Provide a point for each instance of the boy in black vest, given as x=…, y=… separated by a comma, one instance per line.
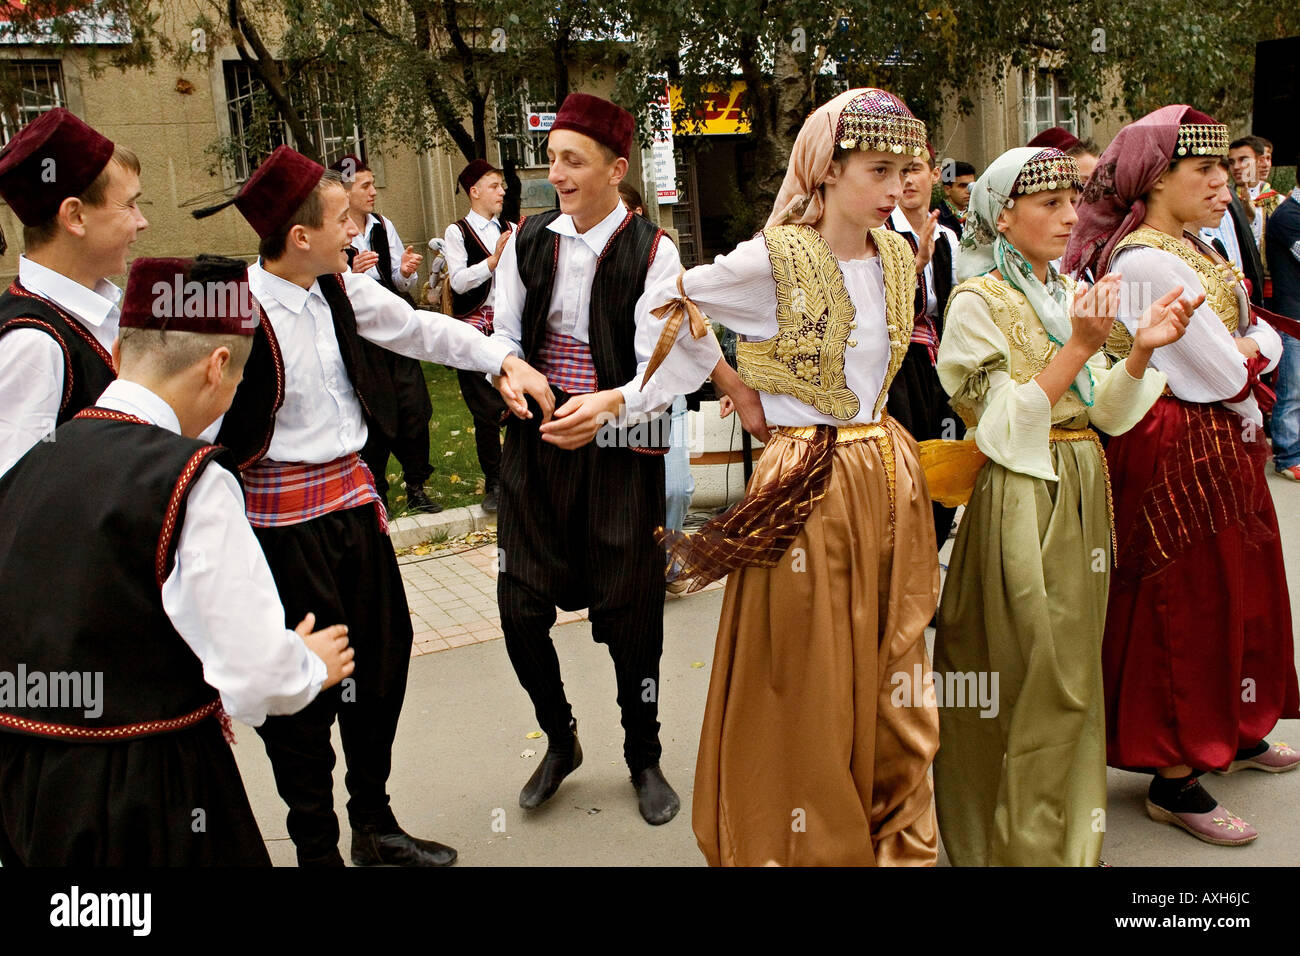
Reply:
x=117, y=669
x=381, y=256
x=582, y=496
x=472, y=247
x=76, y=195
x=309, y=397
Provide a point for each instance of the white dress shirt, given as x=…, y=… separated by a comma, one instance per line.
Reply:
x=220, y=595
x=738, y=291
x=361, y=243
x=31, y=362
x=465, y=277
x=570, y=307
x=1204, y=365
x=1226, y=233
x=321, y=418
x=898, y=219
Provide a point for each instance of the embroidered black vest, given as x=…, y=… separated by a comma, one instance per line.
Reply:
x=379, y=246
x=87, y=367
x=247, y=428
x=102, y=612
x=619, y=281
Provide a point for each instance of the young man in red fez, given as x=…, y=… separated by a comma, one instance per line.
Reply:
x=76, y=195
x=473, y=247
x=118, y=671
x=379, y=254
x=309, y=398
x=581, y=496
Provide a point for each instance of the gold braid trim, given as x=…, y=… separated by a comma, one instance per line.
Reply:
x=899, y=267
x=814, y=313
x=1219, y=292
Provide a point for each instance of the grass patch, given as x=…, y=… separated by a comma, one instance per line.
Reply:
x=457, y=480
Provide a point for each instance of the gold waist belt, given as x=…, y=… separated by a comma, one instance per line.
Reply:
x=1074, y=434
x=843, y=433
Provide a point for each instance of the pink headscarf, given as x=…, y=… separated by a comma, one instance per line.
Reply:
x=1112, y=204
x=800, y=199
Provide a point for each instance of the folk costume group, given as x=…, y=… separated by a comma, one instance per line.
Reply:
x=201, y=442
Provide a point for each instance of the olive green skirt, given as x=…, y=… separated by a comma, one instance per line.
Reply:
x=1020, y=777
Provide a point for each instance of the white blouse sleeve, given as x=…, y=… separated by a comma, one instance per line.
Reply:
x=1014, y=421
x=1121, y=400
x=1204, y=365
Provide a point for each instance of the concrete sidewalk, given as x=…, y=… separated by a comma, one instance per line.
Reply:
x=462, y=751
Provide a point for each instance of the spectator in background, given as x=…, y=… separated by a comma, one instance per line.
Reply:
x=1284, y=264
x=956, y=177
x=472, y=247
x=679, y=483
x=381, y=256
x=1258, y=198
x=1084, y=152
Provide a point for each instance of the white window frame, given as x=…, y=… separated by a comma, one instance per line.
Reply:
x=1044, y=86
x=35, y=100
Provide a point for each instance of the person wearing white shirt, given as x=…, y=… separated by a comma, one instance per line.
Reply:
x=296, y=425
x=581, y=496
x=174, y=608
x=376, y=255
x=916, y=398
x=472, y=247
x=59, y=320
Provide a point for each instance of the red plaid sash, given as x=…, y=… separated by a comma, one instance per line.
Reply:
x=277, y=493
x=481, y=319
x=566, y=363
x=925, y=333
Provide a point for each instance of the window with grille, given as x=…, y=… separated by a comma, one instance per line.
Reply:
x=1047, y=102
x=513, y=124
x=28, y=88
x=256, y=127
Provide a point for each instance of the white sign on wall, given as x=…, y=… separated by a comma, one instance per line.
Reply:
x=540, y=122
x=664, y=163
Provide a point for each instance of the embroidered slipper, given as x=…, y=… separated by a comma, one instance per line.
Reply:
x=1278, y=758
x=1220, y=826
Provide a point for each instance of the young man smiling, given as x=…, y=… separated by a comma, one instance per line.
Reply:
x=76, y=195
x=297, y=425
x=578, y=513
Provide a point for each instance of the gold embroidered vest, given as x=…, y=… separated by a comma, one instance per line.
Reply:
x=1220, y=294
x=1028, y=347
x=815, y=318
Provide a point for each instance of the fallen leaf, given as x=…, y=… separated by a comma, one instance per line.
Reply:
x=534, y=735
x=528, y=753
x=455, y=433
x=448, y=454
x=454, y=479
x=697, y=664
x=593, y=810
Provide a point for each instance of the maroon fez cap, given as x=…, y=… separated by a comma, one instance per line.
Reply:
x=476, y=170
x=1055, y=137
x=53, y=157
x=605, y=122
x=274, y=192
x=209, y=294
x=349, y=166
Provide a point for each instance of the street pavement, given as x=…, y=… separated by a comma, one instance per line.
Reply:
x=463, y=751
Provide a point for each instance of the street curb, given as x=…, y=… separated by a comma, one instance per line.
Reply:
x=410, y=530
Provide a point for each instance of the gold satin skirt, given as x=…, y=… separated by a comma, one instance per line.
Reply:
x=813, y=751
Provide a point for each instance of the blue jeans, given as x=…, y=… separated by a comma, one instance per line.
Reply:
x=1286, y=413
x=679, y=485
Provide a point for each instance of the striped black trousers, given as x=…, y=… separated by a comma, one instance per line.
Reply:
x=576, y=529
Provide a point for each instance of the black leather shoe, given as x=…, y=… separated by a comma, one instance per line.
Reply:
x=546, y=779
x=417, y=502
x=491, y=502
x=398, y=848
x=655, y=797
